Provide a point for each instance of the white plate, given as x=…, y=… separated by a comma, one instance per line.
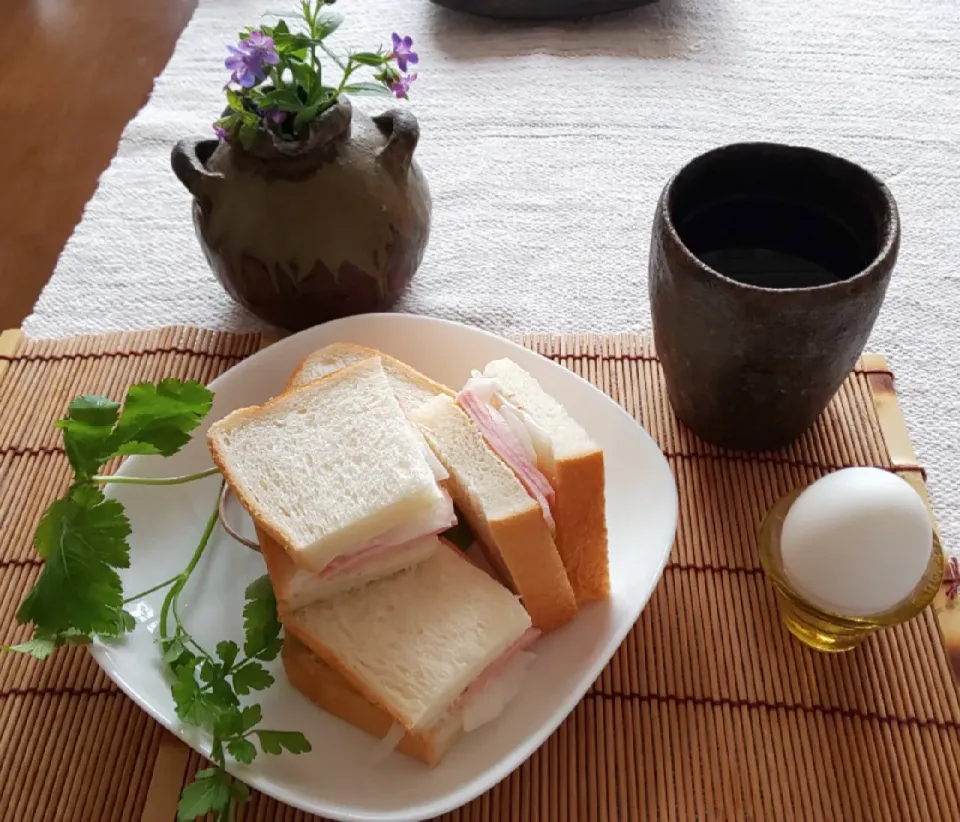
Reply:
x=338, y=779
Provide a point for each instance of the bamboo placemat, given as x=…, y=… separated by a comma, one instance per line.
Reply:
x=709, y=710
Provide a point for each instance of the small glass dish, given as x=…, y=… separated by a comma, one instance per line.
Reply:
x=824, y=630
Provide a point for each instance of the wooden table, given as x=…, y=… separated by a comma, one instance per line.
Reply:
x=72, y=74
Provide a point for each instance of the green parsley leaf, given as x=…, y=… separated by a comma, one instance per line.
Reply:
x=227, y=721
x=83, y=538
x=243, y=750
x=275, y=742
x=209, y=792
x=227, y=651
x=251, y=676
x=39, y=648
x=191, y=704
x=250, y=716
x=221, y=691
x=261, y=627
x=239, y=791
x=86, y=432
x=158, y=419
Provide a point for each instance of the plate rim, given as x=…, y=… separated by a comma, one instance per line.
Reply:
x=463, y=792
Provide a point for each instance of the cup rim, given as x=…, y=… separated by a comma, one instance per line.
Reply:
x=888, y=247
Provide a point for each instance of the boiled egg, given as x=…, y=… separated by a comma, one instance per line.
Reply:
x=856, y=542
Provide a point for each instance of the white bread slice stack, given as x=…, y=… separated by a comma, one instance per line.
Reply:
x=414, y=642
x=574, y=467
x=331, y=467
x=410, y=386
x=327, y=689
x=505, y=518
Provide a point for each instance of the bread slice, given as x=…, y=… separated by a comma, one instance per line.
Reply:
x=329, y=467
x=297, y=587
x=504, y=517
x=413, y=642
x=410, y=386
x=327, y=689
x=576, y=473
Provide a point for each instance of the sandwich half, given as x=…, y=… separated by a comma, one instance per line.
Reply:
x=336, y=475
x=410, y=386
x=510, y=524
x=555, y=459
x=428, y=646
x=327, y=689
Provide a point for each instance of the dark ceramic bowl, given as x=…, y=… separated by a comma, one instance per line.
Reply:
x=768, y=267
x=540, y=9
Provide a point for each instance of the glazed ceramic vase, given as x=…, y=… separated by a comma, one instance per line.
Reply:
x=304, y=232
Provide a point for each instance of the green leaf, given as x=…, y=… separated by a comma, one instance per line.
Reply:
x=94, y=409
x=460, y=535
x=288, y=44
x=247, y=133
x=281, y=28
x=39, y=648
x=86, y=432
x=243, y=750
x=190, y=704
x=250, y=716
x=239, y=791
x=274, y=742
x=360, y=89
x=261, y=627
x=306, y=77
x=223, y=693
x=326, y=24
x=285, y=99
x=173, y=650
x=83, y=538
x=210, y=792
x=208, y=671
x=227, y=721
x=251, y=677
x=369, y=58
x=158, y=419
x=234, y=100
x=227, y=652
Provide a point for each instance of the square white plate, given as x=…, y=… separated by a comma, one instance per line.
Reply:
x=339, y=778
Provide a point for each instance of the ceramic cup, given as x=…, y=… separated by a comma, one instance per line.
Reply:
x=768, y=267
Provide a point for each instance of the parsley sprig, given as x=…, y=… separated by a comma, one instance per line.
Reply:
x=83, y=539
x=207, y=689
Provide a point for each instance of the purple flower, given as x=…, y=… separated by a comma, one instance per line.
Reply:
x=401, y=86
x=403, y=51
x=248, y=58
x=221, y=133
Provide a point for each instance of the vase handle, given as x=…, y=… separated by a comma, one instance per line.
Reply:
x=402, y=131
x=187, y=160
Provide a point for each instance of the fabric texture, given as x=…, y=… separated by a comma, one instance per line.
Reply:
x=546, y=147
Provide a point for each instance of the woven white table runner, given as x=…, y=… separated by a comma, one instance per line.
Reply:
x=546, y=147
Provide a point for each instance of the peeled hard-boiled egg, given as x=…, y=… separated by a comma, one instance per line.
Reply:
x=856, y=542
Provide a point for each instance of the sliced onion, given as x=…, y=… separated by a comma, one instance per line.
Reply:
x=490, y=701
x=388, y=744
x=519, y=430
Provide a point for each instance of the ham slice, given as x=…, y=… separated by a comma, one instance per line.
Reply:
x=436, y=521
x=497, y=667
x=504, y=442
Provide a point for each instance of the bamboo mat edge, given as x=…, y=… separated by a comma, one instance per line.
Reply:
x=173, y=756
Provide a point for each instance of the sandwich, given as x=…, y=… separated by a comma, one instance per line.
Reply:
x=410, y=386
x=555, y=459
x=342, y=488
x=512, y=526
x=422, y=655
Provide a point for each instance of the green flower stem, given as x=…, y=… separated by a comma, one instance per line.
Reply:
x=332, y=55
x=101, y=479
x=349, y=69
x=174, y=593
x=149, y=591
